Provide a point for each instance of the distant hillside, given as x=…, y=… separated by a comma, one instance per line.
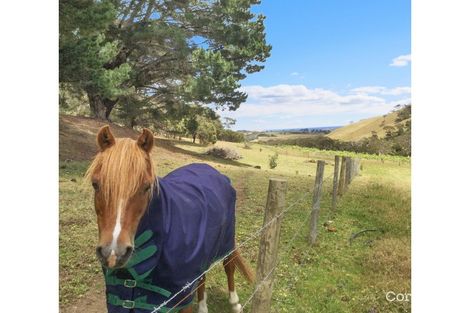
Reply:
x=365, y=128
x=320, y=129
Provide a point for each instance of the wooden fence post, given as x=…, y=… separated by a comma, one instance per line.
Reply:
x=348, y=171
x=357, y=166
x=342, y=176
x=353, y=168
x=335, y=182
x=316, y=202
x=268, y=246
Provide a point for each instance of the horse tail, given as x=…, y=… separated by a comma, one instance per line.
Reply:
x=243, y=266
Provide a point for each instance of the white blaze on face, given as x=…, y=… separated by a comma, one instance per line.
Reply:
x=117, y=227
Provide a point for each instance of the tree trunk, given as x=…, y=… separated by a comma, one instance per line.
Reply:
x=109, y=104
x=194, y=138
x=100, y=107
x=132, y=122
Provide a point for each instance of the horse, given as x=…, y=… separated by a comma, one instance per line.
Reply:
x=156, y=235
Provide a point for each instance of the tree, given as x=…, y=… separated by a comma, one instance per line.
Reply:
x=228, y=122
x=131, y=110
x=192, y=126
x=168, y=53
x=206, y=130
x=191, y=113
x=389, y=130
x=404, y=113
x=230, y=135
x=85, y=53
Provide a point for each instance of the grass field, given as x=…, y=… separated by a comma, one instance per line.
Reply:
x=332, y=276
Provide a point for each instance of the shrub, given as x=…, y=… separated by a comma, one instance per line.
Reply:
x=404, y=113
x=206, y=131
x=230, y=135
x=273, y=160
x=224, y=153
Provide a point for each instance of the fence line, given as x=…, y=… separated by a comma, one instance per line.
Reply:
x=342, y=177
x=260, y=284
x=289, y=245
x=316, y=201
x=189, y=284
x=254, y=235
x=269, y=247
x=335, y=182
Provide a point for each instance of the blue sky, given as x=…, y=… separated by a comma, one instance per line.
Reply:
x=332, y=62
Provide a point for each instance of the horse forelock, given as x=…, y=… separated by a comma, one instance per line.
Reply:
x=121, y=170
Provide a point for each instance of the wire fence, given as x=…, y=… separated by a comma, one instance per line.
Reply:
x=289, y=245
x=238, y=247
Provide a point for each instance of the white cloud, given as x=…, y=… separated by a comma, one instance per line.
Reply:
x=401, y=60
x=295, y=101
x=294, y=74
x=371, y=90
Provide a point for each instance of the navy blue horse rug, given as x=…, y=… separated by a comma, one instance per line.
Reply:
x=190, y=223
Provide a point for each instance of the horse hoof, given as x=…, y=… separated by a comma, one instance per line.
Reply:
x=203, y=309
x=237, y=308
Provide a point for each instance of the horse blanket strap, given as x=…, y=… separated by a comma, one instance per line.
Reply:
x=139, y=303
x=131, y=283
x=189, y=224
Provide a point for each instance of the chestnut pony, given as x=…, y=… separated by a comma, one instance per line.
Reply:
x=124, y=180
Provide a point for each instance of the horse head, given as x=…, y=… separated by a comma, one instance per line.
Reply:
x=123, y=178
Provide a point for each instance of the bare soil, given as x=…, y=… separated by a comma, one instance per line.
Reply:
x=92, y=302
x=77, y=136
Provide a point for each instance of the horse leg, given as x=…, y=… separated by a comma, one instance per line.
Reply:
x=229, y=266
x=202, y=296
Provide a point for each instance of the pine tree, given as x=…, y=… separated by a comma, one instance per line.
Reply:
x=170, y=53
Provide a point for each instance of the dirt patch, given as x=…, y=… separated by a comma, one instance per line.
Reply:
x=77, y=141
x=77, y=136
x=94, y=301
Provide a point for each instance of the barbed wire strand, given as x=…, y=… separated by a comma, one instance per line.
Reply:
x=289, y=245
x=199, y=286
x=189, y=284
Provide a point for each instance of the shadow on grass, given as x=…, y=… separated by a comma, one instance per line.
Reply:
x=169, y=145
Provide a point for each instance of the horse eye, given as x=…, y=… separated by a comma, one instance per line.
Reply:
x=147, y=187
x=95, y=185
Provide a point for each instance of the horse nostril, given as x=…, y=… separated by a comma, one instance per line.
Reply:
x=129, y=250
x=100, y=252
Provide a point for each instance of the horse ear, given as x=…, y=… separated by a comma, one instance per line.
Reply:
x=145, y=140
x=105, y=138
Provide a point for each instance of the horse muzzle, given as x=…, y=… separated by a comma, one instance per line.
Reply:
x=114, y=257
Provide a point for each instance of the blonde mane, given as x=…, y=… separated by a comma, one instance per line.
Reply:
x=122, y=168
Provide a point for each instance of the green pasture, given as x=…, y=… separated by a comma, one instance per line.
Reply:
x=332, y=276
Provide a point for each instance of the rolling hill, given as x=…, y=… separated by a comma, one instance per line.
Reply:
x=365, y=128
